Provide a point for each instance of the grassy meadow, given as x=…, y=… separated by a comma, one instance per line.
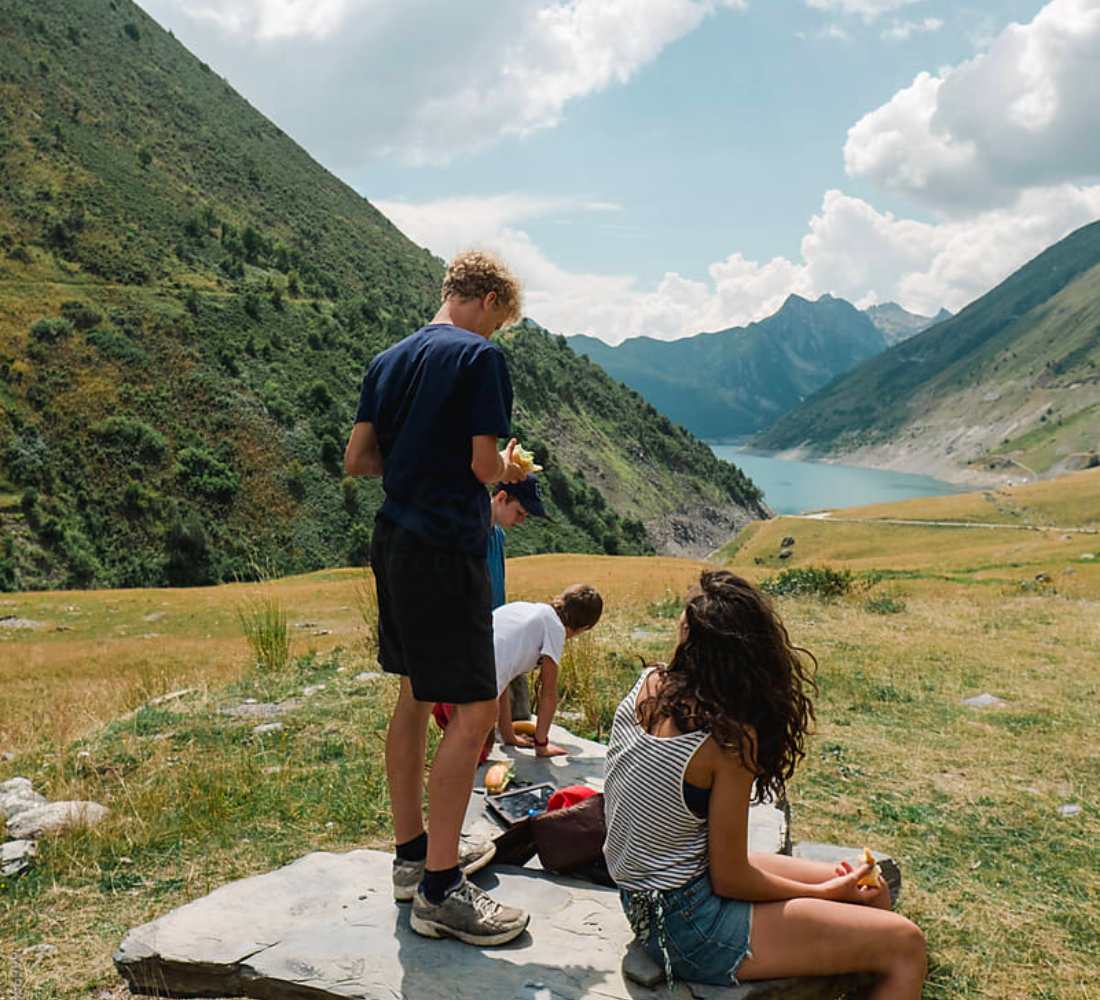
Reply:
x=968, y=800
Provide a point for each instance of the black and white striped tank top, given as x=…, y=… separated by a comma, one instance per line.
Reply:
x=654, y=841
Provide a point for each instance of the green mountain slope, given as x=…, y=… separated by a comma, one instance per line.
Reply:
x=1013, y=378
x=187, y=304
x=738, y=381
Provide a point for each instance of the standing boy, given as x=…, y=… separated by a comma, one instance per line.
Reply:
x=512, y=504
x=431, y=411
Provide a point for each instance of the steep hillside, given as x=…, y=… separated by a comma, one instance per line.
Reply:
x=738, y=381
x=187, y=303
x=897, y=324
x=1010, y=386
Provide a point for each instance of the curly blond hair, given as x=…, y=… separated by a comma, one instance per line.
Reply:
x=473, y=274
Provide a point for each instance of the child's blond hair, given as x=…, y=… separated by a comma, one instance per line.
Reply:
x=473, y=274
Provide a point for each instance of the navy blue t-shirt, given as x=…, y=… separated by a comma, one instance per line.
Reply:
x=427, y=396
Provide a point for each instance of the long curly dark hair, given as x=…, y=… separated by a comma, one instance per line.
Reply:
x=736, y=674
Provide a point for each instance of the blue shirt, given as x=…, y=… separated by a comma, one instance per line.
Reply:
x=427, y=396
x=494, y=555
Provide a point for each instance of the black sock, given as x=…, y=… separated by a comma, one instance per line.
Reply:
x=415, y=849
x=437, y=886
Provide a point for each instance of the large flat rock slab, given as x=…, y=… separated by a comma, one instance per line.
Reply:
x=326, y=926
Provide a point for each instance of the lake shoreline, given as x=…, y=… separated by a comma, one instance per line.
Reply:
x=796, y=486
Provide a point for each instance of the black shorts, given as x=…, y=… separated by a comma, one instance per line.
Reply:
x=435, y=619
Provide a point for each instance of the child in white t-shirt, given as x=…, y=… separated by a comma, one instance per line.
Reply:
x=529, y=637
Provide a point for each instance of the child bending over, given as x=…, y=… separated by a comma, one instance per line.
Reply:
x=527, y=637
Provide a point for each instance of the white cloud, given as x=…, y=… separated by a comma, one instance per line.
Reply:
x=902, y=31
x=869, y=10
x=1022, y=114
x=423, y=81
x=267, y=20
x=851, y=250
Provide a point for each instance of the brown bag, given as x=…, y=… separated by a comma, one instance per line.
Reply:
x=571, y=840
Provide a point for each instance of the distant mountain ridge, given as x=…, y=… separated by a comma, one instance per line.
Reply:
x=1010, y=386
x=897, y=324
x=735, y=382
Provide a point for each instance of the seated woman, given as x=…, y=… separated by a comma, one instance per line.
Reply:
x=689, y=745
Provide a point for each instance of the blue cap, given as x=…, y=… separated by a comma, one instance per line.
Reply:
x=526, y=491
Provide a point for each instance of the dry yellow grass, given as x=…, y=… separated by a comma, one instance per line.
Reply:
x=1070, y=500
x=101, y=653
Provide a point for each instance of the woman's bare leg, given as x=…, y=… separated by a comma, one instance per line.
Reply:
x=812, y=937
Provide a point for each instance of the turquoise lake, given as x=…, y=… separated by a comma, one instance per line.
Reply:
x=797, y=487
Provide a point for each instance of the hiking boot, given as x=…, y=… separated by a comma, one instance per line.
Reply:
x=469, y=914
x=474, y=853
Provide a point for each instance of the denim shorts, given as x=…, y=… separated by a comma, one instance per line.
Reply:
x=692, y=933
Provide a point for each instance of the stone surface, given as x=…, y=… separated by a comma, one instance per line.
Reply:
x=639, y=968
x=16, y=856
x=261, y=709
x=327, y=926
x=171, y=696
x=984, y=700
x=17, y=796
x=54, y=817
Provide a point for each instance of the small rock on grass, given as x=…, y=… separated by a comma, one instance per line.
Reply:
x=368, y=675
x=309, y=692
x=267, y=727
x=984, y=700
x=16, y=857
x=1069, y=809
x=18, y=796
x=39, y=950
x=55, y=816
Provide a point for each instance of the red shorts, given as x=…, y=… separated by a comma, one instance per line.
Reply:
x=442, y=713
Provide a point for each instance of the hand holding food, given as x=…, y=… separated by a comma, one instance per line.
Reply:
x=525, y=459
x=874, y=877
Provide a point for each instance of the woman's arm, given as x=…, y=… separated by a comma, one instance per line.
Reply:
x=732, y=872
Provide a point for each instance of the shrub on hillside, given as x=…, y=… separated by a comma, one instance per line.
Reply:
x=116, y=346
x=206, y=474
x=80, y=314
x=188, y=553
x=136, y=438
x=50, y=331
x=809, y=581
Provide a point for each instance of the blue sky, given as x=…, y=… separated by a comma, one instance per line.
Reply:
x=668, y=166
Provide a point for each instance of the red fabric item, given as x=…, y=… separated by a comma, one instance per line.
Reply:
x=443, y=713
x=569, y=796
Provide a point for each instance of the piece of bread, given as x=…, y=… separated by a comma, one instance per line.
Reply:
x=525, y=459
x=872, y=879
x=498, y=777
x=524, y=727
